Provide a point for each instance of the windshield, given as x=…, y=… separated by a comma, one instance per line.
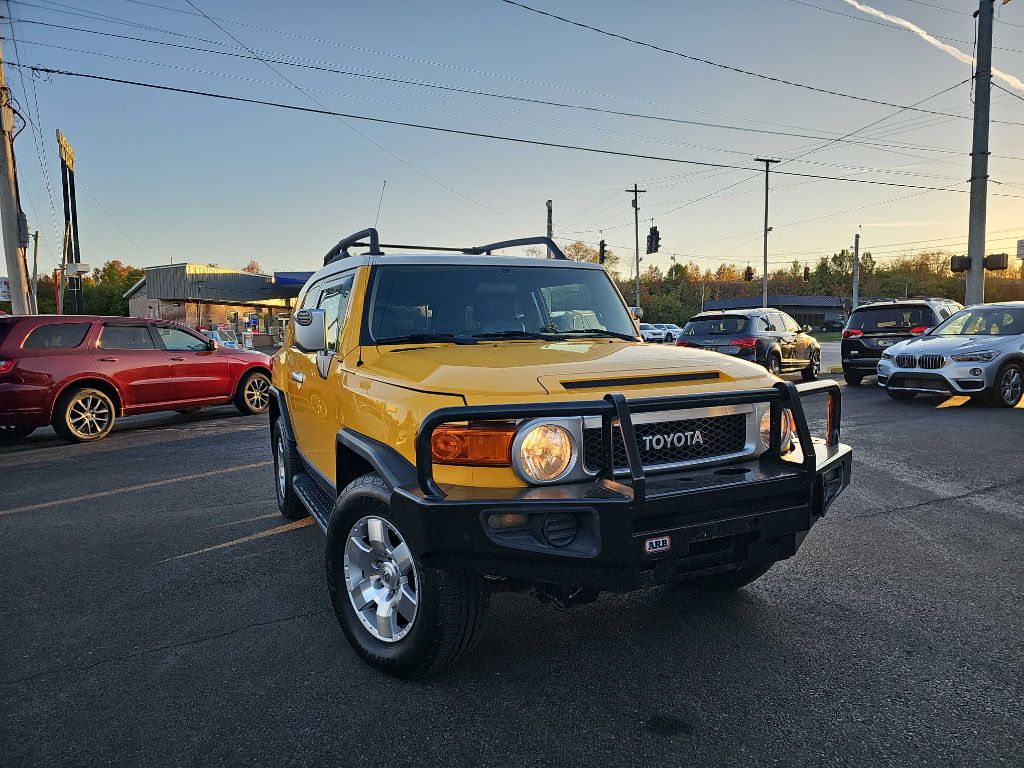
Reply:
x=891, y=319
x=983, y=321
x=715, y=325
x=457, y=303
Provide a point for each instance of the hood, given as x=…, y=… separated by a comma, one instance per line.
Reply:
x=947, y=345
x=576, y=369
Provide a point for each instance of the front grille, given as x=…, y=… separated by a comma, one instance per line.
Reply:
x=906, y=361
x=931, y=362
x=671, y=442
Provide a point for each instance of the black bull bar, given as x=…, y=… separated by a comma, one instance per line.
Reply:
x=615, y=409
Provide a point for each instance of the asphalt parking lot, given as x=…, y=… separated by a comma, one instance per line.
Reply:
x=156, y=610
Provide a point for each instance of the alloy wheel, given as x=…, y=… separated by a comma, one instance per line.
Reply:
x=1011, y=386
x=282, y=478
x=381, y=579
x=774, y=366
x=88, y=416
x=816, y=364
x=257, y=394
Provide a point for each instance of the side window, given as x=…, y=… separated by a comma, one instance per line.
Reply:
x=775, y=321
x=125, y=337
x=763, y=324
x=944, y=312
x=311, y=297
x=791, y=324
x=176, y=340
x=56, y=336
x=334, y=301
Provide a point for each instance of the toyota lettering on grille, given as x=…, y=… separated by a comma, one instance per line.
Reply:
x=673, y=440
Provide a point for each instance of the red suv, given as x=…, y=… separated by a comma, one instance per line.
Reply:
x=80, y=372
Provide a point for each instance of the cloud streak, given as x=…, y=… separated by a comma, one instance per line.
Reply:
x=956, y=53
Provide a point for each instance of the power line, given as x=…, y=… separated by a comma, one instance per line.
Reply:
x=369, y=75
x=719, y=65
x=953, y=10
x=340, y=119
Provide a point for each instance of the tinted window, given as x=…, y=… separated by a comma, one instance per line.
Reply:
x=646, y=327
x=791, y=324
x=716, y=325
x=776, y=322
x=762, y=324
x=334, y=302
x=467, y=301
x=57, y=336
x=897, y=319
x=983, y=321
x=126, y=337
x=176, y=340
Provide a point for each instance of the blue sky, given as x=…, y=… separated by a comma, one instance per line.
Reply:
x=191, y=178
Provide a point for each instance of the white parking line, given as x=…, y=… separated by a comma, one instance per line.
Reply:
x=130, y=488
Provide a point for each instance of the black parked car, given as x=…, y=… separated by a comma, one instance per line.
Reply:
x=766, y=336
x=872, y=328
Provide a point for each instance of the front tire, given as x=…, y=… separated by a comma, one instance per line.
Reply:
x=399, y=615
x=730, y=581
x=1009, y=386
x=813, y=369
x=253, y=394
x=84, y=415
x=286, y=466
x=853, y=379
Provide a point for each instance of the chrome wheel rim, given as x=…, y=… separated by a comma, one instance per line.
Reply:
x=257, y=394
x=381, y=579
x=88, y=416
x=774, y=366
x=1012, y=385
x=281, y=479
x=815, y=365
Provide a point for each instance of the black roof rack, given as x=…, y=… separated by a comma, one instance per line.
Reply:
x=340, y=251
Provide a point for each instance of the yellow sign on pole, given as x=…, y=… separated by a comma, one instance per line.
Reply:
x=67, y=154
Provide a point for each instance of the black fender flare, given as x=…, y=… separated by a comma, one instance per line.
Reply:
x=279, y=409
x=396, y=470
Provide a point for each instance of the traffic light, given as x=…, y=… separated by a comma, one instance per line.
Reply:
x=807, y=274
x=748, y=274
x=959, y=263
x=653, y=240
x=997, y=261
x=601, y=253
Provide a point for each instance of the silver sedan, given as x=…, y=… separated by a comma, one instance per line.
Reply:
x=978, y=351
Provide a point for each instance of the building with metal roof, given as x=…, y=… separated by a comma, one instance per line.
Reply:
x=815, y=311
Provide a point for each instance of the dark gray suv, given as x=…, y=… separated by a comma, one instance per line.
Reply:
x=766, y=336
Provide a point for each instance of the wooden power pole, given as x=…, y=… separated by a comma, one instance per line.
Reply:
x=10, y=210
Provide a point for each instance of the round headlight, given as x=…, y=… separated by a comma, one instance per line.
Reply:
x=545, y=453
x=787, y=429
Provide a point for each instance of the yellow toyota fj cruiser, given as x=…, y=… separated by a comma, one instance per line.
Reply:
x=460, y=423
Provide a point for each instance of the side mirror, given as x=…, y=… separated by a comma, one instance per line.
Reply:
x=806, y=329
x=637, y=312
x=311, y=330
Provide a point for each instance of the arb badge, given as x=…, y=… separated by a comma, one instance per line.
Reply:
x=659, y=544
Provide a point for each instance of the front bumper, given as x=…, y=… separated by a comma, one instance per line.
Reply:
x=619, y=536
x=952, y=379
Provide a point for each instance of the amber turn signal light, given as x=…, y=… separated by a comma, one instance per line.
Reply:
x=475, y=445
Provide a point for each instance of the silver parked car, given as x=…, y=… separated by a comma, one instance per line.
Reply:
x=978, y=351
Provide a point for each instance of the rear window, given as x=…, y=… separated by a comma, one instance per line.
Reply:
x=891, y=319
x=716, y=325
x=56, y=336
x=126, y=337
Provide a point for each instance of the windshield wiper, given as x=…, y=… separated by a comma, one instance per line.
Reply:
x=513, y=335
x=598, y=332
x=427, y=337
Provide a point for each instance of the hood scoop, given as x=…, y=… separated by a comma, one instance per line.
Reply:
x=640, y=381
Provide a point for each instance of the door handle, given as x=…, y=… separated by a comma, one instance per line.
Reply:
x=178, y=359
x=299, y=377
x=108, y=359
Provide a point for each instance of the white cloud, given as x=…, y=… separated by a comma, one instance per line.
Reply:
x=956, y=53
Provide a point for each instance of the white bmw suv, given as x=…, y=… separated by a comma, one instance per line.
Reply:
x=978, y=351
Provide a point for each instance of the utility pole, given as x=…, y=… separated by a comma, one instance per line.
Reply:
x=856, y=271
x=551, y=229
x=10, y=209
x=635, y=192
x=35, y=274
x=764, y=278
x=975, y=291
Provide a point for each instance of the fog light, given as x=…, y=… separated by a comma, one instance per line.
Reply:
x=559, y=529
x=507, y=520
x=976, y=371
